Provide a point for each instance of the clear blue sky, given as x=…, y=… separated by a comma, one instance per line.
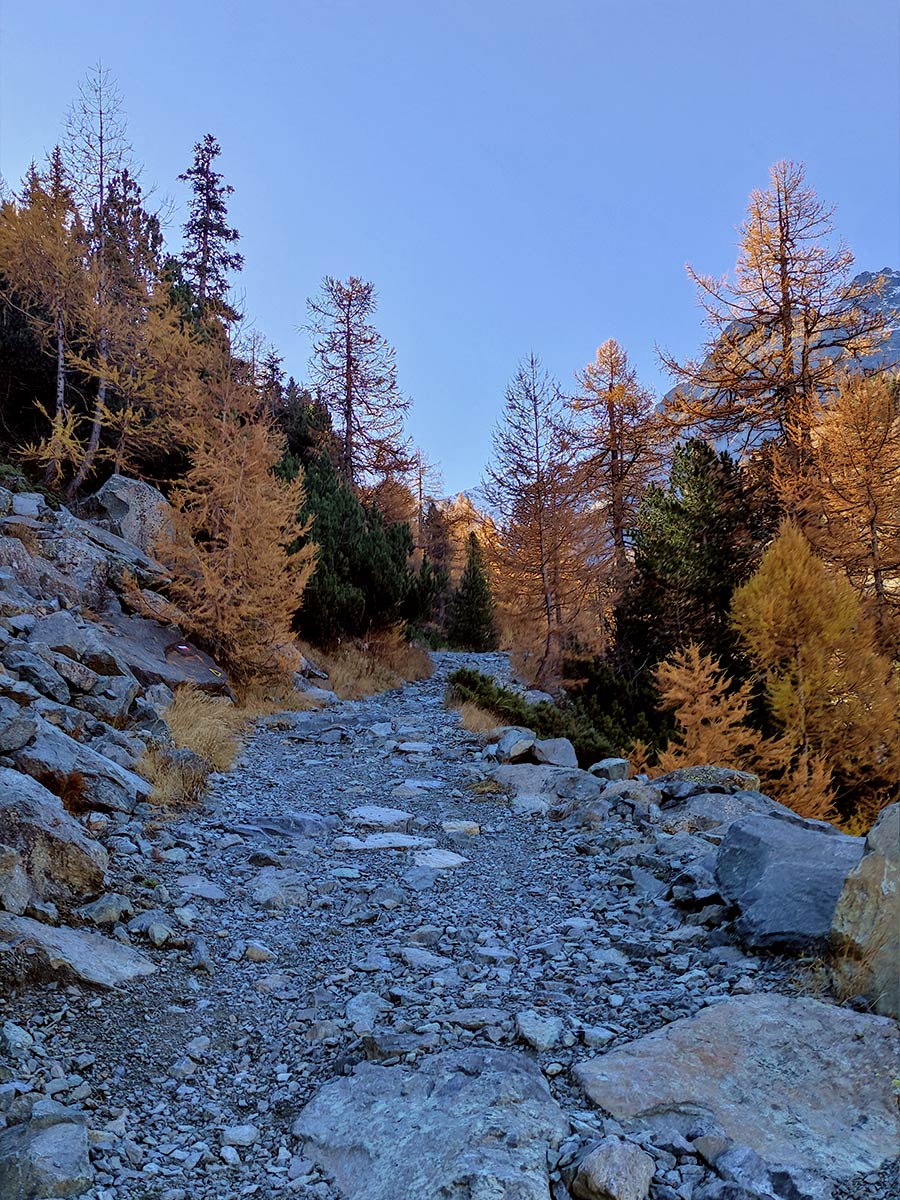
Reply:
x=512, y=174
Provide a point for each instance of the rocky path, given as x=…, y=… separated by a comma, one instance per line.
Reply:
x=349, y=895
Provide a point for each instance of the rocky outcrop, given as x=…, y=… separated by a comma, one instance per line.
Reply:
x=89, y=957
x=45, y=1156
x=57, y=857
x=466, y=1123
x=865, y=930
x=784, y=876
x=787, y=1077
x=131, y=509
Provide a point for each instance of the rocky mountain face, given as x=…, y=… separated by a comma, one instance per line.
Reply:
x=389, y=960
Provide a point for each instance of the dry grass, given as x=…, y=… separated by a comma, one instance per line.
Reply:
x=360, y=669
x=474, y=718
x=211, y=727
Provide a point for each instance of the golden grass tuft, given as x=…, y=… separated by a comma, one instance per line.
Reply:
x=474, y=718
x=211, y=727
x=358, y=669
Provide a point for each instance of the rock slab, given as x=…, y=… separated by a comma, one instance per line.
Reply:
x=467, y=1124
x=89, y=956
x=800, y=1082
x=865, y=932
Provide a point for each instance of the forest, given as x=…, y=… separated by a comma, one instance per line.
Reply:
x=705, y=577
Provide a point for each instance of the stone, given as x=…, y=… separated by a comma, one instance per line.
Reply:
x=55, y=757
x=153, y=654
x=363, y=1011
x=58, y=857
x=689, y=781
x=279, y=887
x=614, y=1170
x=15, y=886
x=515, y=744
x=467, y=828
x=386, y=820
x=556, y=752
x=784, y=877
x=475, y=1018
x=76, y=674
x=131, y=509
x=107, y=910
x=865, y=929
x=199, y=885
x=90, y=957
x=465, y=1124
x=17, y=726
x=37, y=671
x=77, y=639
x=800, y=1082
x=718, y=810
x=383, y=841
x=611, y=768
x=540, y=1031
x=439, y=860
x=415, y=747
x=44, y=1159
x=240, y=1135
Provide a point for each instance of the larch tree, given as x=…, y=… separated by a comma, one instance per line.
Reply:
x=619, y=440
x=779, y=327
x=538, y=553
x=209, y=256
x=853, y=494
x=355, y=373
x=831, y=695
x=43, y=248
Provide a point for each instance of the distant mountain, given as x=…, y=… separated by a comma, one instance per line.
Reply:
x=887, y=355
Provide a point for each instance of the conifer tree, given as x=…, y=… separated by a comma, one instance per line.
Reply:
x=832, y=697
x=539, y=552
x=209, y=255
x=239, y=571
x=472, y=625
x=354, y=370
x=853, y=493
x=619, y=441
x=43, y=248
x=778, y=328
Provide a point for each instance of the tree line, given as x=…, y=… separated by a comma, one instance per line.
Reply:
x=728, y=554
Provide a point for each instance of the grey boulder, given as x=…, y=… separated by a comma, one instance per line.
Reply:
x=90, y=957
x=467, y=1124
x=784, y=876
x=47, y=1156
x=801, y=1083
x=131, y=509
x=55, y=758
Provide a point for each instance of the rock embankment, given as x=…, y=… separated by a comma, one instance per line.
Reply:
x=389, y=966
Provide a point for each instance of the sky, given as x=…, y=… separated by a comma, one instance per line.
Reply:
x=513, y=175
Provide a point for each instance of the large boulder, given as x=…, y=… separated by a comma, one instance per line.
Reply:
x=84, y=777
x=865, y=931
x=784, y=876
x=131, y=509
x=467, y=1123
x=708, y=811
x=153, y=653
x=36, y=670
x=17, y=726
x=46, y=1156
x=78, y=639
x=59, y=859
x=801, y=1083
x=89, y=957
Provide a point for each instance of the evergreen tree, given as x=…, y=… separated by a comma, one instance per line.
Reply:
x=472, y=625
x=695, y=541
x=208, y=254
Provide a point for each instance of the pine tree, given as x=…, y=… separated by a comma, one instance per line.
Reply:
x=355, y=373
x=831, y=696
x=472, y=625
x=780, y=327
x=694, y=542
x=209, y=255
